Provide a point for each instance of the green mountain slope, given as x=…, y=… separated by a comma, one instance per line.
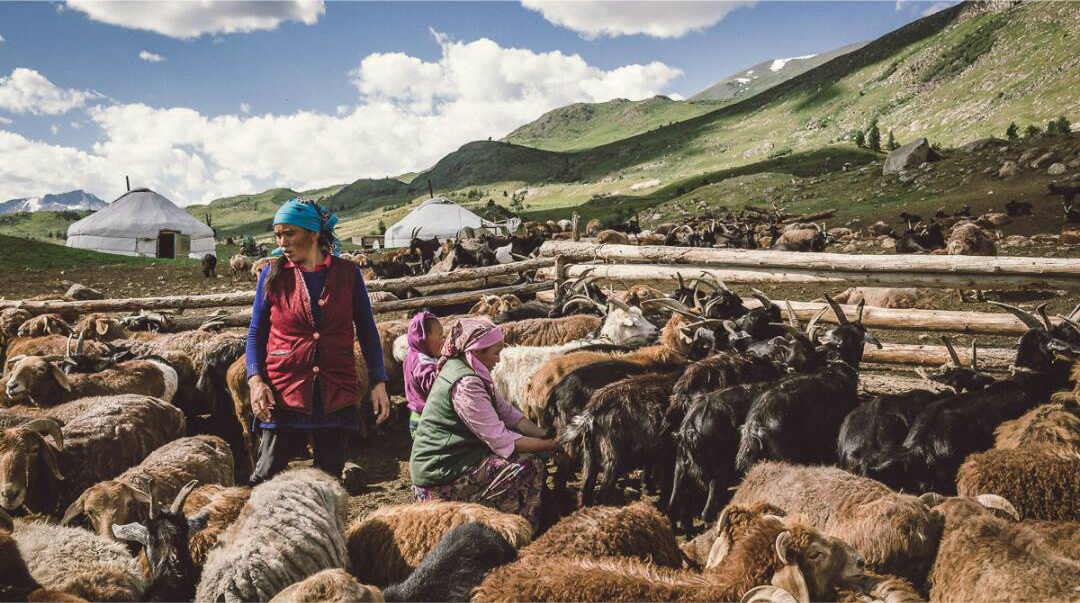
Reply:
x=584, y=125
x=45, y=226
x=767, y=74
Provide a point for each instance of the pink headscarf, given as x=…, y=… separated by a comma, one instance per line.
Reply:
x=470, y=335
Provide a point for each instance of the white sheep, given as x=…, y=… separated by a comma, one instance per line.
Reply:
x=239, y=264
x=293, y=526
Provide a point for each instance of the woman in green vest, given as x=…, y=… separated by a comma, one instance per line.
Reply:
x=471, y=444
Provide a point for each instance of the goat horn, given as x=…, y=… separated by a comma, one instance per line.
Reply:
x=974, y=355
x=952, y=351
x=860, y=307
x=1066, y=320
x=181, y=497
x=761, y=297
x=767, y=593
x=812, y=325
x=80, y=343
x=1025, y=317
x=618, y=303
x=682, y=285
x=837, y=310
x=1046, y=319
x=793, y=319
x=993, y=501
x=1075, y=314
x=46, y=427
x=931, y=499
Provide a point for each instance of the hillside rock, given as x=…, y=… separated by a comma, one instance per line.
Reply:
x=1056, y=169
x=983, y=143
x=1030, y=155
x=909, y=156
x=1044, y=160
x=82, y=293
x=1008, y=169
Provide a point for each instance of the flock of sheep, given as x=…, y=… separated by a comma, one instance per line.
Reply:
x=121, y=455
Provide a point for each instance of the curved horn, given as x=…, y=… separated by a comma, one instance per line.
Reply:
x=181, y=497
x=767, y=593
x=952, y=351
x=80, y=343
x=1025, y=317
x=812, y=325
x=793, y=319
x=993, y=501
x=974, y=355
x=837, y=310
x=682, y=285
x=931, y=499
x=618, y=303
x=47, y=427
x=764, y=299
x=861, y=307
x=1046, y=319
x=1075, y=314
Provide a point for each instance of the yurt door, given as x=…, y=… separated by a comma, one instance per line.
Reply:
x=183, y=245
x=166, y=244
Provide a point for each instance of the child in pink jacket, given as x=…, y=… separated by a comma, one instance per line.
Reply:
x=425, y=339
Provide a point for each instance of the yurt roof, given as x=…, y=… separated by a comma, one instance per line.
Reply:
x=140, y=213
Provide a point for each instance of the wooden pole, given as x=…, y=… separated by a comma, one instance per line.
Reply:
x=447, y=299
x=934, y=355
x=941, y=271
x=575, y=234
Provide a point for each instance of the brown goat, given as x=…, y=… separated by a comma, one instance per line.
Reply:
x=784, y=552
x=612, y=237
x=549, y=331
x=638, y=531
x=594, y=226
x=388, y=544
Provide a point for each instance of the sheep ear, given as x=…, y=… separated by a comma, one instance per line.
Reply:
x=783, y=544
x=718, y=551
x=135, y=532
x=60, y=377
x=102, y=327
x=791, y=579
x=75, y=510
x=198, y=522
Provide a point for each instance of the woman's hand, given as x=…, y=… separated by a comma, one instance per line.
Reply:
x=527, y=427
x=261, y=397
x=381, y=402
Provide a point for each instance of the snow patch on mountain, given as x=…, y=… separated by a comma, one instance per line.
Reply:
x=778, y=64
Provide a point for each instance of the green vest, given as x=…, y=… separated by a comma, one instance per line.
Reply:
x=444, y=448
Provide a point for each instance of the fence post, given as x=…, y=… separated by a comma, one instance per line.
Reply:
x=560, y=272
x=576, y=231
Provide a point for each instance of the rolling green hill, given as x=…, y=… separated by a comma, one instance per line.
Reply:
x=44, y=226
x=21, y=253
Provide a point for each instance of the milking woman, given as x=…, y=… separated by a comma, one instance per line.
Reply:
x=310, y=306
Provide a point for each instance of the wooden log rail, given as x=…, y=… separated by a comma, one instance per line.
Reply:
x=935, y=271
x=935, y=355
x=246, y=298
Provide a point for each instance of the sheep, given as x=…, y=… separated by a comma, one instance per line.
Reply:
x=386, y=546
x=637, y=531
x=162, y=474
x=79, y=562
x=492, y=305
x=612, y=237
x=111, y=436
x=222, y=506
x=1054, y=425
x=455, y=566
x=593, y=227
x=329, y=586
x=39, y=380
x=61, y=413
x=10, y=321
x=44, y=324
x=785, y=552
x=49, y=345
x=887, y=297
x=549, y=331
x=895, y=533
x=984, y=558
x=298, y=516
x=1038, y=481
x=100, y=327
x=518, y=363
x=239, y=264
x=259, y=264
x=969, y=239
x=17, y=583
x=733, y=523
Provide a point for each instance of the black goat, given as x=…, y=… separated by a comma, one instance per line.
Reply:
x=950, y=429
x=531, y=309
x=425, y=249
x=957, y=376
x=1018, y=208
x=173, y=574
x=525, y=246
x=875, y=431
x=209, y=265
x=457, y=565
x=790, y=420
x=716, y=372
x=467, y=256
x=920, y=239
x=910, y=218
x=705, y=446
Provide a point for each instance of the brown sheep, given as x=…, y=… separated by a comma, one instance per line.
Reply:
x=894, y=532
x=44, y=324
x=886, y=297
x=62, y=413
x=492, y=305
x=388, y=544
x=984, y=558
x=388, y=332
x=549, y=331
x=1055, y=425
x=10, y=321
x=223, y=506
x=239, y=264
x=594, y=226
x=124, y=499
x=329, y=586
x=785, y=552
x=100, y=327
x=612, y=237
x=651, y=239
x=969, y=239
x=733, y=523
x=797, y=235
x=638, y=531
x=49, y=345
x=1040, y=482
x=40, y=380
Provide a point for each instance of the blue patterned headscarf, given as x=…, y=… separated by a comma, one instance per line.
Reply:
x=309, y=215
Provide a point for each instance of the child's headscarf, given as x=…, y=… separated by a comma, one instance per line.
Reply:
x=417, y=335
x=309, y=215
x=469, y=335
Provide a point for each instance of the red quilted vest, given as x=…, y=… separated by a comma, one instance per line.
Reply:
x=296, y=353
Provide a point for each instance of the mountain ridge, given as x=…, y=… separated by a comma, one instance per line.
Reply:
x=76, y=200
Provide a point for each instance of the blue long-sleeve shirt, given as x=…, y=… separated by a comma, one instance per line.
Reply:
x=315, y=280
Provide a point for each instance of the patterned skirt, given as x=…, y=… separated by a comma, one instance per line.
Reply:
x=511, y=485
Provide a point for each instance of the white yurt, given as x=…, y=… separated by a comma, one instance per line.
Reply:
x=436, y=217
x=143, y=223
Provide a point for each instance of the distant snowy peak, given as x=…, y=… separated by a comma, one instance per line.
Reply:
x=778, y=64
x=73, y=200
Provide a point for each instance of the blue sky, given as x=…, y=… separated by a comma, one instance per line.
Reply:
x=249, y=95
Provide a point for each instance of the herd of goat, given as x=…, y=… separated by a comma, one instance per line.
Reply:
x=121, y=452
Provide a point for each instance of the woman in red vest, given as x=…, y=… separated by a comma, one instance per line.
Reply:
x=310, y=306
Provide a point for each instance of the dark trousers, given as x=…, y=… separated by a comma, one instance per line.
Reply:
x=278, y=446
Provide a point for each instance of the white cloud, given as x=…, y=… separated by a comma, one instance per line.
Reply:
x=2, y=39
x=657, y=18
x=27, y=91
x=190, y=19
x=402, y=122
x=245, y=108
x=55, y=129
x=76, y=125
x=936, y=7
x=5, y=121
x=150, y=57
